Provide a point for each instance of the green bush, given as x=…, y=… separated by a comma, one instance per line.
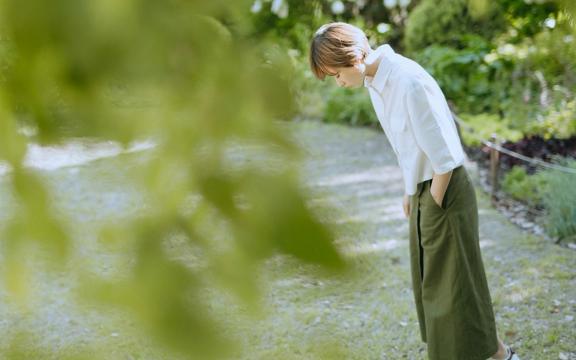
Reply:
x=445, y=22
x=533, y=77
x=463, y=74
x=552, y=189
x=483, y=126
x=524, y=70
x=296, y=29
x=560, y=200
x=478, y=78
x=521, y=186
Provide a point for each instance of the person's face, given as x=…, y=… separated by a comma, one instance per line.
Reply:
x=348, y=77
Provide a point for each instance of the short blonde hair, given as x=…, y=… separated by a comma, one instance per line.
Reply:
x=336, y=44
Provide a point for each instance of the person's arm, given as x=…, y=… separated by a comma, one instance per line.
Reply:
x=439, y=186
x=427, y=116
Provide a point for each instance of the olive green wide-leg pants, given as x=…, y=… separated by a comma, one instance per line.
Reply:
x=451, y=292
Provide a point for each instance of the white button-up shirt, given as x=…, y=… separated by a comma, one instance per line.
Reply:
x=415, y=117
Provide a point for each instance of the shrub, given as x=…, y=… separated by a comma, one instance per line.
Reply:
x=484, y=125
x=560, y=200
x=558, y=123
x=533, y=77
x=521, y=186
x=550, y=188
x=444, y=22
x=463, y=74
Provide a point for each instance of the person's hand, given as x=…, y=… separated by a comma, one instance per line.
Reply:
x=438, y=198
x=406, y=205
x=439, y=185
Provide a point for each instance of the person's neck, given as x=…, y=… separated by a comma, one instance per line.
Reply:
x=373, y=67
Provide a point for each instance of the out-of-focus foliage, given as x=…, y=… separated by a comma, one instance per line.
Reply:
x=350, y=106
x=511, y=58
x=448, y=22
x=482, y=127
x=525, y=17
x=462, y=73
x=187, y=76
x=524, y=73
x=296, y=29
x=539, y=72
x=296, y=21
x=558, y=123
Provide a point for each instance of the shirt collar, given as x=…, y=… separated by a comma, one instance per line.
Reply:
x=384, y=68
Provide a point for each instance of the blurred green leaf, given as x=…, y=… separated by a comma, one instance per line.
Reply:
x=186, y=77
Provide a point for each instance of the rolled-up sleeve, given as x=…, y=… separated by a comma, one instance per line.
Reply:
x=430, y=119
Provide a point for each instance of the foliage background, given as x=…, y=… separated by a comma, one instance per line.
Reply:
x=511, y=58
x=507, y=67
